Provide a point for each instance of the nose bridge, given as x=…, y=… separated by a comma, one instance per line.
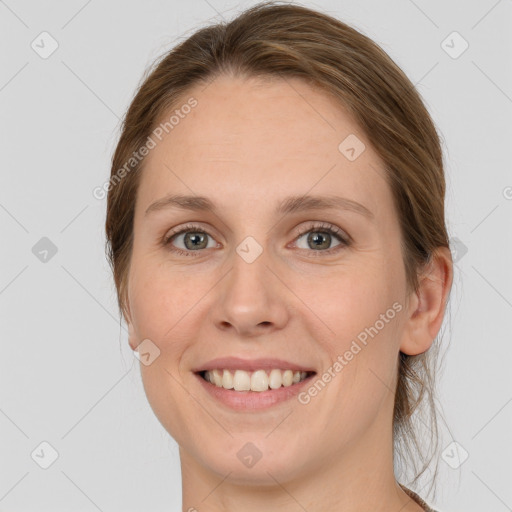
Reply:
x=249, y=281
x=250, y=296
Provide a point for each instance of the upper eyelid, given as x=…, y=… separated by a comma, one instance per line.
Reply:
x=186, y=228
x=322, y=225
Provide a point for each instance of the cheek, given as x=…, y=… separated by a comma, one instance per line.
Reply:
x=157, y=302
x=168, y=306
x=363, y=313
x=354, y=299
x=156, y=292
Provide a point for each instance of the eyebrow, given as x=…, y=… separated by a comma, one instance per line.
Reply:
x=288, y=205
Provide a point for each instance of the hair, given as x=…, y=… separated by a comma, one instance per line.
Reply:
x=271, y=40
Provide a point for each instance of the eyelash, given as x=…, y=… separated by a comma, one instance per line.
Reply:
x=315, y=227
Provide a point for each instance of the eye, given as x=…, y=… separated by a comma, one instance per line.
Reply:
x=320, y=236
x=193, y=238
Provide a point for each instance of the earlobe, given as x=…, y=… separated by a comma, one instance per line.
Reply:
x=427, y=306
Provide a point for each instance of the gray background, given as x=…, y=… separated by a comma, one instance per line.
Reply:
x=67, y=375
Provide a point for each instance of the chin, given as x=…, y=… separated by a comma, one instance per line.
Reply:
x=256, y=461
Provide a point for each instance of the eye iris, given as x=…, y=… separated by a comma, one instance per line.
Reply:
x=315, y=236
x=196, y=239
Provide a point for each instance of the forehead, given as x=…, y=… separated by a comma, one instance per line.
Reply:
x=236, y=115
x=259, y=139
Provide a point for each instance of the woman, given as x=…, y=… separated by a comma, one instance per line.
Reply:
x=276, y=229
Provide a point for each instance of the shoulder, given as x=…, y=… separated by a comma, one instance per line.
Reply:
x=417, y=499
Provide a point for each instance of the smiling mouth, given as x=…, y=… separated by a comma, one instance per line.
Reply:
x=259, y=380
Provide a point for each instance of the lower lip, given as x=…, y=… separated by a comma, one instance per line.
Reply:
x=253, y=400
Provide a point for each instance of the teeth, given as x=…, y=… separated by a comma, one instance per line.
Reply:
x=259, y=380
x=287, y=378
x=275, y=380
x=241, y=381
x=227, y=379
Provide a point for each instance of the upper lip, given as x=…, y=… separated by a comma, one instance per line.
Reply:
x=237, y=363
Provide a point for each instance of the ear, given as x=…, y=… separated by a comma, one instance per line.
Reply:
x=427, y=305
x=132, y=338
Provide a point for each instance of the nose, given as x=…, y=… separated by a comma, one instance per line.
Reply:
x=251, y=300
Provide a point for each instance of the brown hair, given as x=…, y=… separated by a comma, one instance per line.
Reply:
x=273, y=40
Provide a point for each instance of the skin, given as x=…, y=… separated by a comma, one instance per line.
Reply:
x=246, y=145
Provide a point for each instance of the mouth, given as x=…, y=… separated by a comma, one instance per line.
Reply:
x=251, y=385
x=258, y=381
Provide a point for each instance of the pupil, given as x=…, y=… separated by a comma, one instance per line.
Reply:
x=316, y=238
x=195, y=237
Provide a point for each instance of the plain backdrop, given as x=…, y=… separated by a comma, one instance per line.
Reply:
x=67, y=376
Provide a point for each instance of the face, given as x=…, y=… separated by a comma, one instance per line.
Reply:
x=273, y=283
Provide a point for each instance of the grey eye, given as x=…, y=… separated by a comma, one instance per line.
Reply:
x=192, y=240
x=318, y=240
